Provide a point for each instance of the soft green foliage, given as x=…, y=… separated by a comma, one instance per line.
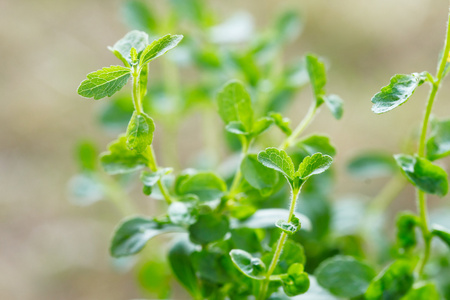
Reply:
x=134, y=39
x=159, y=47
x=438, y=145
x=372, y=165
x=104, y=82
x=424, y=291
x=295, y=282
x=150, y=179
x=87, y=155
x=208, y=228
x=397, y=92
x=423, y=174
x=335, y=105
x=256, y=174
x=250, y=266
x=313, y=165
x=318, y=77
x=281, y=122
x=392, y=283
x=442, y=233
x=206, y=185
x=344, y=276
x=406, y=235
x=289, y=227
x=317, y=143
x=277, y=160
x=140, y=132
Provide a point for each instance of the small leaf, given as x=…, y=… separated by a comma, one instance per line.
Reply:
x=344, y=276
x=235, y=105
x=143, y=81
x=206, y=185
x=119, y=159
x=406, y=236
x=317, y=77
x=236, y=127
x=256, y=174
x=423, y=174
x=140, y=132
x=181, y=265
x=423, y=291
x=442, y=233
x=277, y=160
x=293, y=253
x=372, y=165
x=281, y=122
x=182, y=213
x=392, y=283
x=159, y=47
x=438, y=145
x=317, y=143
x=133, y=55
x=149, y=179
x=289, y=227
x=261, y=125
x=397, y=92
x=248, y=265
x=295, y=282
x=133, y=39
x=104, y=82
x=132, y=235
x=313, y=165
x=266, y=218
x=335, y=105
x=208, y=228
x=87, y=155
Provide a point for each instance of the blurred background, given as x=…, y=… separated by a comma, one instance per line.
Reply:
x=53, y=249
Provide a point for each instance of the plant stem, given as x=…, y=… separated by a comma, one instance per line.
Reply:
x=421, y=196
x=237, y=178
x=279, y=248
x=153, y=165
x=136, y=93
x=301, y=126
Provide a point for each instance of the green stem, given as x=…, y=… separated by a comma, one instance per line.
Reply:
x=301, y=126
x=153, y=165
x=237, y=178
x=279, y=248
x=136, y=93
x=421, y=196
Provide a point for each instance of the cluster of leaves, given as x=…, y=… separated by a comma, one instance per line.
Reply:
x=233, y=237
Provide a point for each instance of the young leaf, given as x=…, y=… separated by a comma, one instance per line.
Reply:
x=236, y=127
x=134, y=39
x=119, y=159
x=372, y=165
x=261, y=125
x=317, y=77
x=132, y=235
x=159, y=47
x=344, y=276
x=317, y=143
x=140, y=132
x=406, y=236
x=149, y=179
x=392, y=283
x=181, y=265
x=277, y=160
x=206, y=185
x=143, y=81
x=295, y=282
x=313, y=165
x=289, y=227
x=208, y=228
x=424, y=291
x=397, y=92
x=104, y=82
x=182, y=213
x=438, y=145
x=281, y=122
x=235, y=105
x=335, y=105
x=256, y=174
x=293, y=253
x=250, y=266
x=266, y=218
x=442, y=233
x=423, y=174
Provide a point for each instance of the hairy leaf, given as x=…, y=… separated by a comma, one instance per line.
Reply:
x=104, y=82
x=406, y=236
x=159, y=47
x=134, y=39
x=140, y=132
x=313, y=165
x=289, y=227
x=281, y=122
x=277, y=160
x=206, y=185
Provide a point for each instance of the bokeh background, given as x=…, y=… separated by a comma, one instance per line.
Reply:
x=52, y=249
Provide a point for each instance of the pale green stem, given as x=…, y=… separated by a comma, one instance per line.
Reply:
x=136, y=93
x=153, y=165
x=421, y=196
x=300, y=128
x=279, y=248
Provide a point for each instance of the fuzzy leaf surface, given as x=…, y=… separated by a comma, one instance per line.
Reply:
x=134, y=39
x=140, y=132
x=277, y=160
x=256, y=174
x=159, y=47
x=105, y=82
x=313, y=165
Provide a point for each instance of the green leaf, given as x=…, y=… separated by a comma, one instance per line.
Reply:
x=442, y=233
x=235, y=105
x=133, y=55
x=372, y=165
x=281, y=122
x=256, y=174
x=313, y=165
x=288, y=26
x=295, y=282
x=209, y=228
x=335, y=105
x=317, y=143
x=87, y=155
x=206, y=185
x=317, y=77
x=143, y=81
x=392, y=283
x=423, y=291
x=140, y=132
x=344, y=276
x=119, y=159
x=246, y=239
x=438, y=145
x=181, y=265
x=149, y=179
x=182, y=213
x=293, y=253
x=277, y=160
x=137, y=15
x=104, y=82
x=289, y=227
x=266, y=218
x=159, y=47
x=250, y=266
x=132, y=235
x=423, y=174
x=401, y=87
x=133, y=39
x=212, y=265
x=236, y=127
x=406, y=236
x=262, y=125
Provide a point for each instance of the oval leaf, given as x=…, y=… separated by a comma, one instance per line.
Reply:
x=248, y=265
x=438, y=145
x=104, y=82
x=256, y=174
x=206, y=185
x=159, y=47
x=313, y=165
x=140, y=132
x=134, y=39
x=277, y=160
